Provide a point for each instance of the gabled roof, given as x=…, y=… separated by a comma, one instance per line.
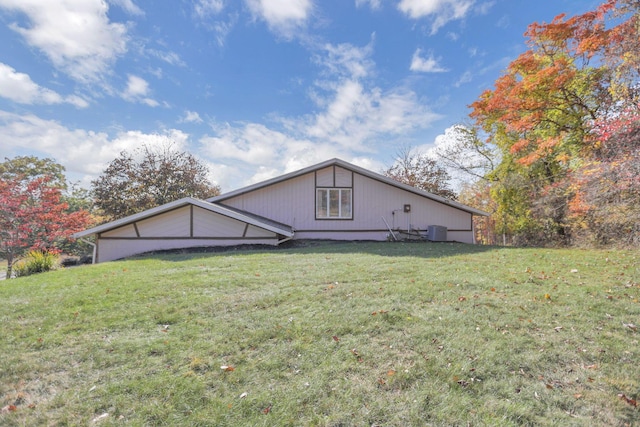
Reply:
x=237, y=214
x=353, y=168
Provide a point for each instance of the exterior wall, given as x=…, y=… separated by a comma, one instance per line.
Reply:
x=128, y=230
x=206, y=224
x=112, y=249
x=292, y=202
x=185, y=227
x=174, y=223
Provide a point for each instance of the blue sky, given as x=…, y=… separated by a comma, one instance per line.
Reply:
x=253, y=88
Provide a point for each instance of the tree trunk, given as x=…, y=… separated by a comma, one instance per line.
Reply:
x=9, y=265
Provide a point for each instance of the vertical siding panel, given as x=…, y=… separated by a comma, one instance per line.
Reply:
x=211, y=224
x=325, y=177
x=175, y=223
x=290, y=202
x=344, y=177
x=124, y=231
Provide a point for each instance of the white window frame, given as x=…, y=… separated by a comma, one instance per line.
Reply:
x=327, y=191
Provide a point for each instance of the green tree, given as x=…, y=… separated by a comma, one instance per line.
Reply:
x=148, y=177
x=32, y=167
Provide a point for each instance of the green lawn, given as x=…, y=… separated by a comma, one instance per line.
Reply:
x=352, y=334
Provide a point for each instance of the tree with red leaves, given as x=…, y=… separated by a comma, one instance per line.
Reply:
x=33, y=215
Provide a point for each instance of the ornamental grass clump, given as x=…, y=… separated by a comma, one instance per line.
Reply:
x=36, y=262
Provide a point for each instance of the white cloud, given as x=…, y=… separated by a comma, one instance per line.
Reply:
x=252, y=143
x=191, y=117
x=206, y=8
x=284, y=17
x=354, y=111
x=223, y=28
x=448, y=143
x=137, y=91
x=346, y=60
x=75, y=35
x=465, y=78
x=485, y=7
x=19, y=87
x=170, y=58
x=442, y=11
x=82, y=152
x=425, y=65
x=250, y=146
x=354, y=116
x=374, y=4
x=128, y=6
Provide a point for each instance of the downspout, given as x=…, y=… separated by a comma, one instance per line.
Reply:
x=95, y=250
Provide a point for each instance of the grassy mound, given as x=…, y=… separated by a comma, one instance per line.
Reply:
x=386, y=334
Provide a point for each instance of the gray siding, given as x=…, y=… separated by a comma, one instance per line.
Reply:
x=293, y=202
x=185, y=227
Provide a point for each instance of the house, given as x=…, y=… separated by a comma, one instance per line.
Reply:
x=332, y=200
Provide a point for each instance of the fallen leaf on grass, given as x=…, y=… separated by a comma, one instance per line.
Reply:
x=335, y=338
x=266, y=410
x=100, y=417
x=630, y=401
x=227, y=368
x=391, y=373
x=8, y=408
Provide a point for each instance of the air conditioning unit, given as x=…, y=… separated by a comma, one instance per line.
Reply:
x=437, y=233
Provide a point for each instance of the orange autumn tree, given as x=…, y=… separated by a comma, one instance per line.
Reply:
x=541, y=114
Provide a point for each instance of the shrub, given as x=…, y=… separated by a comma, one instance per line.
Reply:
x=36, y=262
x=70, y=261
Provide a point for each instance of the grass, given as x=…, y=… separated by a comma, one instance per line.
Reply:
x=353, y=334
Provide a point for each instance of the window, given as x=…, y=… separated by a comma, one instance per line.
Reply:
x=333, y=203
